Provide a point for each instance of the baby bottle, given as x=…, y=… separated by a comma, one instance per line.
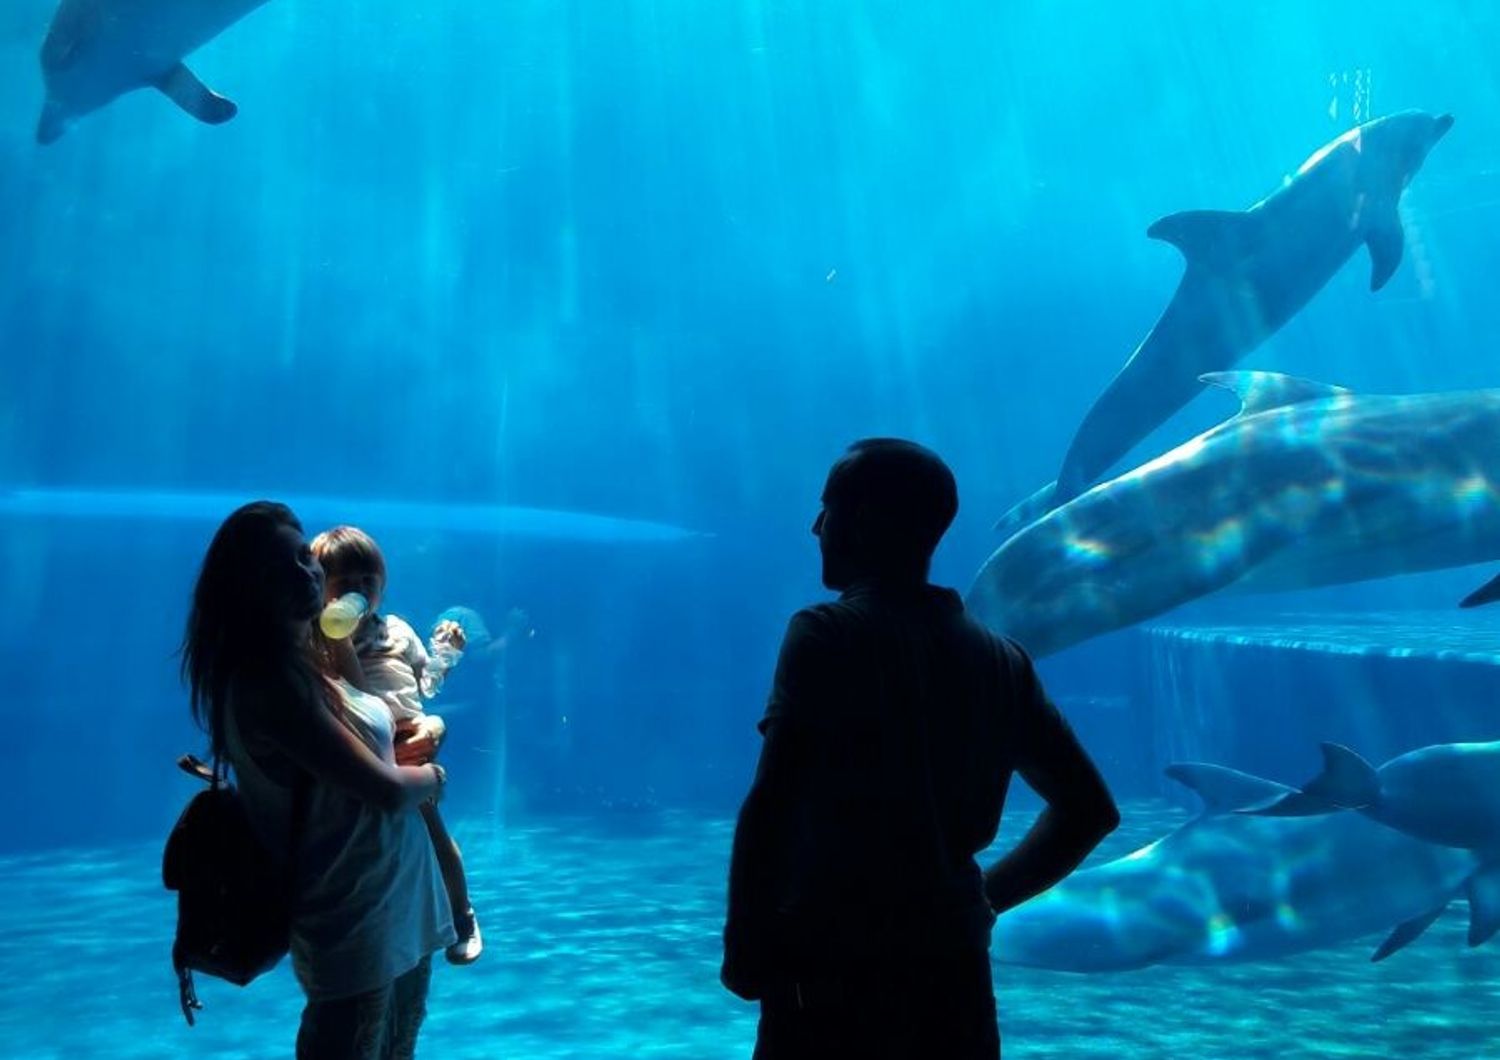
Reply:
x=341, y=616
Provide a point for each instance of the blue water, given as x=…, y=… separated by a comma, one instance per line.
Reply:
x=571, y=304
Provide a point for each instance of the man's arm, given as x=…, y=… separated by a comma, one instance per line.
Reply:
x=747, y=927
x=1080, y=811
x=798, y=690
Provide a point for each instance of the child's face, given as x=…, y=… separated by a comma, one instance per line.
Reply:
x=367, y=584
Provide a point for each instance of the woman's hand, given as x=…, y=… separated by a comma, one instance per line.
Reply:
x=418, y=739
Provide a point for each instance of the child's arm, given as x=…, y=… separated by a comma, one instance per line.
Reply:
x=446, y=648
x=346, y=663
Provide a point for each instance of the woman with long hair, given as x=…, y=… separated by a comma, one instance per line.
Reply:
x=369, y=908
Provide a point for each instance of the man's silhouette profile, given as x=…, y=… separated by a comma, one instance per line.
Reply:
x=858, y=916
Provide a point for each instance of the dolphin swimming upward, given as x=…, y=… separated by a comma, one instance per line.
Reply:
x=97, y=50
x=1447, y=794
x=1248, y=273
x=1226, y=887
x=1309, y=485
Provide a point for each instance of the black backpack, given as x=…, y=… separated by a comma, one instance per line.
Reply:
x=233, y=903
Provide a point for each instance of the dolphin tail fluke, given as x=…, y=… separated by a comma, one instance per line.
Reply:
x=1385, y=240
x=182, y=87
x=1225, y=790
x=1483, y=890
x=1027, y=512
x=52, y=124
x=1347, y=782
x=1487, y=593
x=1407, y=933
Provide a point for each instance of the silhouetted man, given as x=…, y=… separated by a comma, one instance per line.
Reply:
x=857, y=914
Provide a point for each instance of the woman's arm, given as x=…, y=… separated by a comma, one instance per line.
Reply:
x=309, y=734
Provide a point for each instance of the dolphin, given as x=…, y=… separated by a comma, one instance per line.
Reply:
x=493, y=520
x=1225, y=888
x=1248, y=273
x=1447, y=794
x=97, y=50
x=1308, y=485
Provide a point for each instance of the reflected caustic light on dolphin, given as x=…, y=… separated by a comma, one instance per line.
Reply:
x=378, y=515
x=1226, y=887
x=1248, y=273
x=1309, y=485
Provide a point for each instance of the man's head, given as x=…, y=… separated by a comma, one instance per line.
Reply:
x=886, y=505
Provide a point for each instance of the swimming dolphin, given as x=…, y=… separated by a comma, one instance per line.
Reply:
x=1248, y=273
x=489, y=520
x=1309, y=485
x=1226, y=888
x=1447, y=794
x=97, y=50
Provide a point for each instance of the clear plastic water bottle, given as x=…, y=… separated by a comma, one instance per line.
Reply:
x=342, y=616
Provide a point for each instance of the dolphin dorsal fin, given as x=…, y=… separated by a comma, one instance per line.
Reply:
x=1224, y=790
x=1215, y=239
x=1262, y=391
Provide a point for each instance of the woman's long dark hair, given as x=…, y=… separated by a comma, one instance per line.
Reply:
x=233, y=626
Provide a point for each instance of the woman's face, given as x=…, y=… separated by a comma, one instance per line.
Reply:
x=293, y=578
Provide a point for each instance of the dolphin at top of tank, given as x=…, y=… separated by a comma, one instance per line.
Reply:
x=97, y=50
x=1247, y=273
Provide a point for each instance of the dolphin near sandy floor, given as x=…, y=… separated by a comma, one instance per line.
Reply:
x=1248, y=273
x=1309, y=485
x=1226, y=887
x=97, y=50
x=1447, y=794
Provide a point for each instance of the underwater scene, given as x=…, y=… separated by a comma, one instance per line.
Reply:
x=571, y=304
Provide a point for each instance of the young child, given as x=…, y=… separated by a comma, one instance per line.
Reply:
x=386, y=657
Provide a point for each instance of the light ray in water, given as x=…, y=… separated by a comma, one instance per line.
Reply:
x=376, y=514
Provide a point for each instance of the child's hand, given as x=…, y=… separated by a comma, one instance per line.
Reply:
x=450, y=631
x=418, y=739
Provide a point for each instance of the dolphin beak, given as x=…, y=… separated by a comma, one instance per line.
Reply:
x=1444, y=123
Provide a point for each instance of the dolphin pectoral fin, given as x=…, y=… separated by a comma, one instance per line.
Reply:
x=1385, y=240
x=1025, y=512
x=1487, y=593
x=1260, y=391
x=1215, y=239
x=52, y=124
x=1224, y=790
x=1483, y=890
x=1407, y=933
x=182, y=87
